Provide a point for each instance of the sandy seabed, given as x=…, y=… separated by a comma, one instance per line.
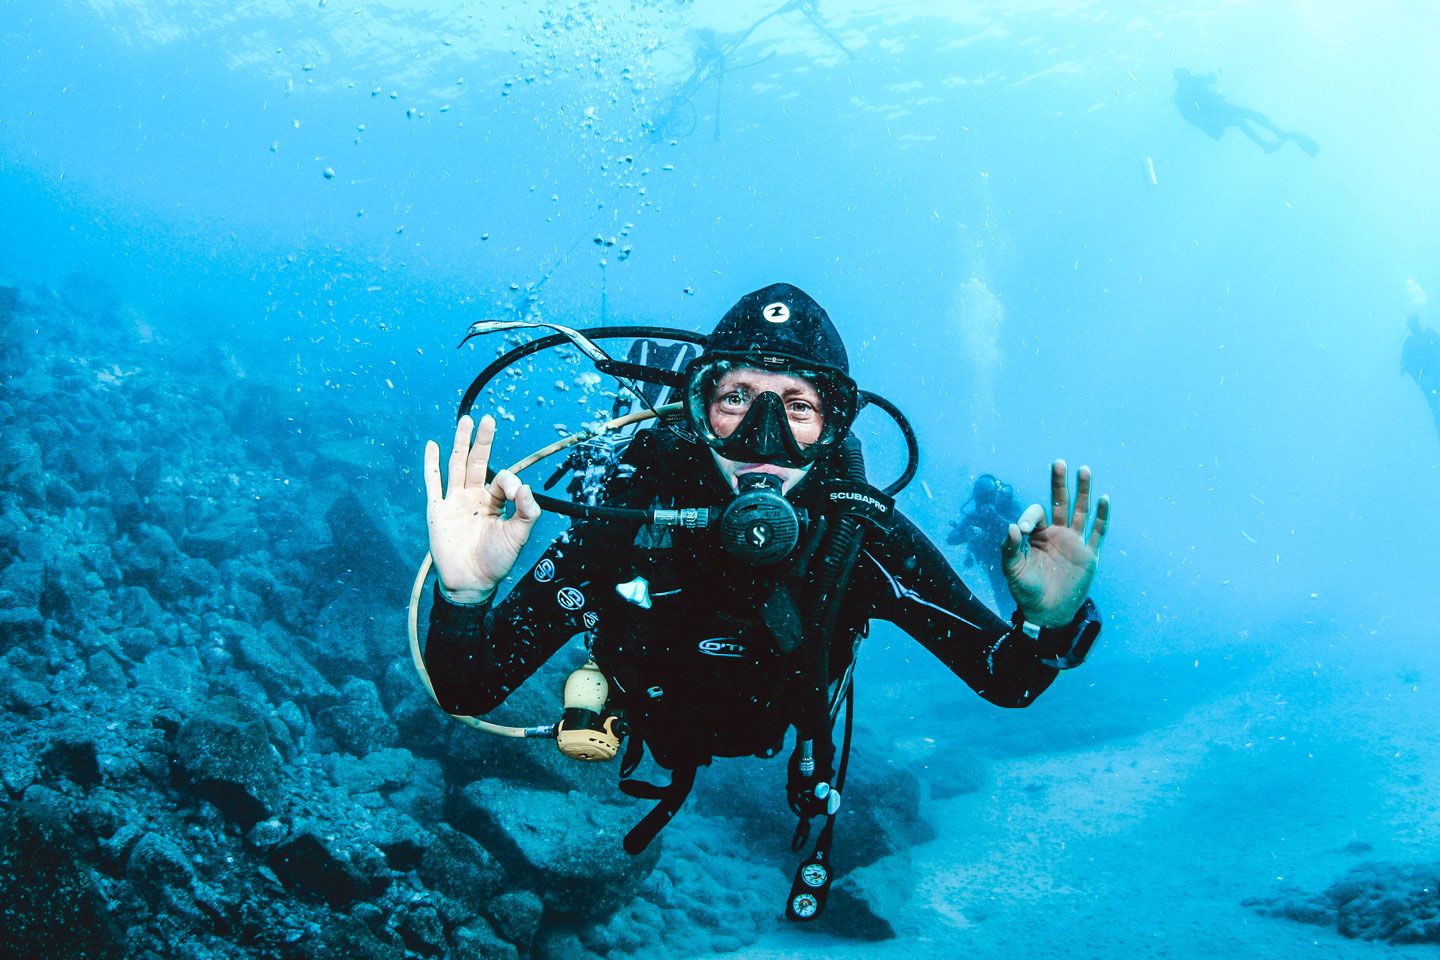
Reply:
x=1147, y=846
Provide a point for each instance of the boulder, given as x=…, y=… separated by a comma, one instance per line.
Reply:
x=346, y=937
x=227, y=759
x=879, y=816
x=475, y=940
x=146, y=553
x=861, y=901
x=385, y=769
x=367, y=552
x=172, y=676
x=567, y=846
x=227, y=536
x=271, y=654
x=73, y=756
x=315, y=867
x=356, y=637
x=422, y=930
x=516, y=916
x=458, y=866
x=358, y=723
x=1395, y=902
x=160, y=873
x=49, y=899
x=1389, y=901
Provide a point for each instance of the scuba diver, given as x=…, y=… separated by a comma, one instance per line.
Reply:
x=1420, y=358
x=984, y=521
x=1202, y=105
x=675, y=117
x=736, y=609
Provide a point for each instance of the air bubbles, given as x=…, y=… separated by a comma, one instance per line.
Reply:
x=328, y=173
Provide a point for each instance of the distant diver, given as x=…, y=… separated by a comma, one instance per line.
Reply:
x=1420, y=358
x=1202, y=105
x=984, y=520
x=727, y=577
x=675, y=116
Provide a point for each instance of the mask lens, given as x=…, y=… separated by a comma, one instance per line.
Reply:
x=762, y=421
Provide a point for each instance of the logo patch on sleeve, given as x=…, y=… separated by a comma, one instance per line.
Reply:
x=570, y=598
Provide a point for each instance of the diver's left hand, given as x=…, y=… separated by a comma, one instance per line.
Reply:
x=1050, y=563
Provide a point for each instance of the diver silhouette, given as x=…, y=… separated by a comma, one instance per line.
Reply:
x=1420, y=358
x=676, y=116
x=984, y=522
x=1202, y=105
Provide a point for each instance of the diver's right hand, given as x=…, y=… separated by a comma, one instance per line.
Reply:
x=473, y=544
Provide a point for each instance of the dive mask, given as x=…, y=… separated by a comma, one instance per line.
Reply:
x=764, y=434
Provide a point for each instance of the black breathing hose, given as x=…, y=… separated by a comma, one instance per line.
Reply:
x=833, y=567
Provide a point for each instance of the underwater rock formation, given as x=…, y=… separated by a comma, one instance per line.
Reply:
x=212, y=743
x=1396, y=902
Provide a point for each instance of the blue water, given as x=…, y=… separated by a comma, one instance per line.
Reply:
x=1023, y=242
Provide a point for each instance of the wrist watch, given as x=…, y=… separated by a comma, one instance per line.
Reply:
x=1063, y=647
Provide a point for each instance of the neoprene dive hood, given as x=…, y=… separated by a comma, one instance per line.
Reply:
x=780, y=320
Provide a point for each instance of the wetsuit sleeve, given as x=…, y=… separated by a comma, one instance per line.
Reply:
x=478, y=655
x=918, y=591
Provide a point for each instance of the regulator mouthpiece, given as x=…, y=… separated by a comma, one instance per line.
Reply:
x=760, y=526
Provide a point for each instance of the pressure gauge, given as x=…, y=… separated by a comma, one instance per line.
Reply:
x=814, y=874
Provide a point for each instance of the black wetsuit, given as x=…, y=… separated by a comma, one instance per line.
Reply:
x=701, y=673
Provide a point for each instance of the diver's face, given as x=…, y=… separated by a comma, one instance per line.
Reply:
x=733, y=393
x=730, y=401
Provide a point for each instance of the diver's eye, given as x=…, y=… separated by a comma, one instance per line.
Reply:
x=801, y=410
x=735, y=399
